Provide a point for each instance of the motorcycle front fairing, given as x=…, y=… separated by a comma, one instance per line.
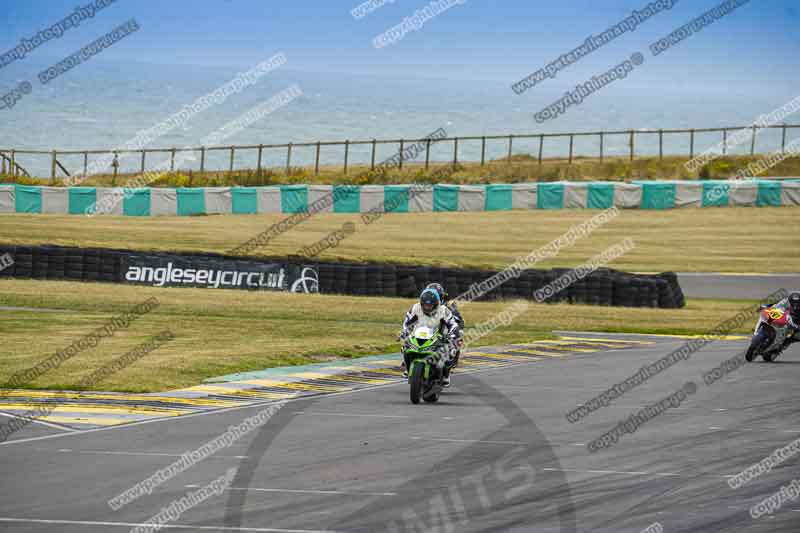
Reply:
x=423, y=343
x=776, y=319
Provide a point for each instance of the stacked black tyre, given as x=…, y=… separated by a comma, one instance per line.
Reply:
x=57, y=263
x=327, y=278
x=7, y=266
x=390, y=280
x=406, y=283
x=357, y=282
x=601, y=287
x=341, y=274
x=73, y=264
x=91, y=264
x=624, y=292
x=23, y=262
x=110, y=265
x=670, y=295
x=374, y=280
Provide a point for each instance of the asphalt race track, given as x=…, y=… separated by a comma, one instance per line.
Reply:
x=743, y=286
x=495, y=454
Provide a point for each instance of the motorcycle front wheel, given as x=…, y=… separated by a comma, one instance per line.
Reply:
x=415, y=379
x=755, y=344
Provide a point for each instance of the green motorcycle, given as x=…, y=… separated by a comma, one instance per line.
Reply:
x=423, y=353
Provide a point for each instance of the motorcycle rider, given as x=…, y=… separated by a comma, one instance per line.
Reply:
x=456, y=315
x=792, y=304
x=443, y=297
x=430, y=312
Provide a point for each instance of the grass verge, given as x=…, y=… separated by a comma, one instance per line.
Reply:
x=224, y=331
x=725, y=239
x=519, y=168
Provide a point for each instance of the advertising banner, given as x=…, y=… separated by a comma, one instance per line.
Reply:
x=187, y=271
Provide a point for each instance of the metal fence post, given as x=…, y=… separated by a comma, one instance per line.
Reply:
x=783, y=140
x=230, y=166
x=601, y=146
x=346, y=154
x=510, y=145
x=115, y=164
x=660, y=144
x=53, y=169
x=483, y=150
x=260, y=152
x=288, y=157
x=455, y=152
x=402, y=147
x=724, y=141
x=691, y=144
x=85, y=163
x=427, y=153
x=172, y=160
x=202, y=159
x=541, y=147
x=631, y=144
x=372, y=160
x=13, y=163
x=316, y=160
x=142, y=166
x=571, y=139
x=753, y=142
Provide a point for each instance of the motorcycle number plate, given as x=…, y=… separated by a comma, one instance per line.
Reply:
x=775, y=314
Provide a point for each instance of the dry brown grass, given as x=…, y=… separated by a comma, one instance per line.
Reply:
x=520, y=168
x=730, y=239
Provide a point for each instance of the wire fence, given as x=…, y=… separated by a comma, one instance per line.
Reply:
x=641, y=142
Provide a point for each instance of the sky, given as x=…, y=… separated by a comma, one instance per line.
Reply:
x=501, y=41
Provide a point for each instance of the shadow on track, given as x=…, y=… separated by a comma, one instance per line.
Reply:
x=478, y=488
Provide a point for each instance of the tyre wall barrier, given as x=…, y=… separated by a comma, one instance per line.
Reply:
x=602, y=287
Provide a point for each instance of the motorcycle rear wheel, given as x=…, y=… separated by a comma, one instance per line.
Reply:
x=415, y=380
x=431, y=397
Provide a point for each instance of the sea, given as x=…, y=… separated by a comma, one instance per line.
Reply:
x=102, y=105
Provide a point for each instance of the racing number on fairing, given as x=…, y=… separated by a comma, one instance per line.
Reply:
x=775, y=314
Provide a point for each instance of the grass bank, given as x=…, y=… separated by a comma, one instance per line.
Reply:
x=224, y=331
x=519, y=168
x=727, y=239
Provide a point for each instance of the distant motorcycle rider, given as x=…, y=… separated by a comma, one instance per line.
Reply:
x=430, y=312
x=792, y=304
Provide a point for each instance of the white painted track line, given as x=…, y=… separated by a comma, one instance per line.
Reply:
x=367, y=415
x=164, y=526
x=471, y=441
x=145, y=454
x=623, y=473
x=304, y=491
x=42, y=422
